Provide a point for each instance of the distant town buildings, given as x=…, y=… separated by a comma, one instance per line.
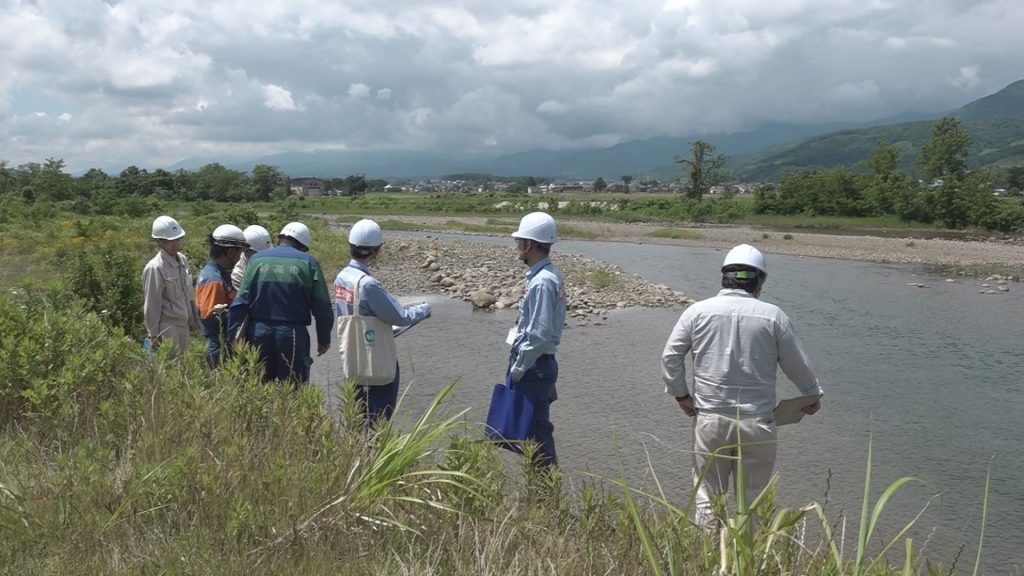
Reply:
x=308, y=186
x=311, y=186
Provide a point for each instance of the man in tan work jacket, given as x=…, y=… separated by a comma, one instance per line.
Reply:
x=169, y=301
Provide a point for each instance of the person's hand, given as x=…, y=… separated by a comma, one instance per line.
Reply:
x=686, y=404
x=322, y=349
x=813, y=408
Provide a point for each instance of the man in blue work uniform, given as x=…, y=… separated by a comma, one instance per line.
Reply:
x=282, y=287
x=365, y=240
x=538, y=330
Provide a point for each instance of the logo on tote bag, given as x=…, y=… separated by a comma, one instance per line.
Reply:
x=369, y=336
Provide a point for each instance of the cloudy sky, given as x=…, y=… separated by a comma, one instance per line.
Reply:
x=150, y=82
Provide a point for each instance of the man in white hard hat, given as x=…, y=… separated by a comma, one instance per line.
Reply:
x=257, y=240
x=365, y=240
x=214, y=291
x=169, y=308
x=538, y=330
x=281, y=289
x=738, y=342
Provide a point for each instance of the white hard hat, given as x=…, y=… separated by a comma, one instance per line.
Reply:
x=297, y=231
x=167, y=228
x=229, y=236
x=539, y=227
x=257, y=237
x=367, y=233
x=746, y=255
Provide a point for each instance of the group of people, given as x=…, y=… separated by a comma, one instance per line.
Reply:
x=269, y=296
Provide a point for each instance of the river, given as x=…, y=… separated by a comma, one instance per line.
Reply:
x=932, y=375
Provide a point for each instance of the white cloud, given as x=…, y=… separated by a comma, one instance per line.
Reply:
x=65, y=117
x=358, y=90
x=967, y=77
x=552, y=107
x=278, y=98
x=151, y=81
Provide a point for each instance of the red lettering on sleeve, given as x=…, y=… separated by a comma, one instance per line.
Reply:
x=341, y=293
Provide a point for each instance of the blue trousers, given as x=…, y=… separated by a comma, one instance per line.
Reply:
x=538, y=383
x=379, y=401
x=284, y=351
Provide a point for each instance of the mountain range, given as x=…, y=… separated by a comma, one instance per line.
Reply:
x=995, y=122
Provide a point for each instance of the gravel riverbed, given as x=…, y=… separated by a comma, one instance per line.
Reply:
x=490, y=277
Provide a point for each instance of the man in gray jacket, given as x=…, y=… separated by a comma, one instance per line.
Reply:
x=169, y=301
x=737, y=343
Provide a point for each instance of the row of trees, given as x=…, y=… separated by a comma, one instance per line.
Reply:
x=947, y=190
x=49, y=182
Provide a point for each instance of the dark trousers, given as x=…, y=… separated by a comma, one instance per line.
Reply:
x=379, y=401
x=538, y=383
x=284, y=351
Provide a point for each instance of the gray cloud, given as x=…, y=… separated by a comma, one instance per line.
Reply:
x=150, y=82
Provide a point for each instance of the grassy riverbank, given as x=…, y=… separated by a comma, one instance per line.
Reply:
x=113, y=462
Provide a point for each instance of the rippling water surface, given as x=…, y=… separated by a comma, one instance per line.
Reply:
x=934, y=375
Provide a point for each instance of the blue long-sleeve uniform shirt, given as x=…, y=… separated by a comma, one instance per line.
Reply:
x=283, y=285
x=374, y=300
x=541, y=316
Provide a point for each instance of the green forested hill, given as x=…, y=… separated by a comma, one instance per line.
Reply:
x=995, y=122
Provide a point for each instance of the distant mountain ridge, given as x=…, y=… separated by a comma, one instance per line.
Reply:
x=996, y=122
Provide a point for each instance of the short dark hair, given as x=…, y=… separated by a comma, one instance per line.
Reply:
x=544, y=248
x=216, y=250
x=738, y=276
x=362, y=252
x=292, y=242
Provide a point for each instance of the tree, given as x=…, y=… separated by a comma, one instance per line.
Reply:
x=600, y=185
x=51, y=182
x=94, y=182
x=355, y=185
x=625, y=182
x=132, y=181
x=268, y=182
x=884, y=182
x=1015, y=177
x=705, y=168
x=945, y=154
x=221, y=184
x=944, y=159
x=6, y=178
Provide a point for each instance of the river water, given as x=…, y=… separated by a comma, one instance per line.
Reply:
x=933, y=375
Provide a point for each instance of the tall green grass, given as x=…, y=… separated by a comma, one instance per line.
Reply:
x=116, y=462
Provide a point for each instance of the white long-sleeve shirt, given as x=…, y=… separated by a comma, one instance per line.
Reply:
x=738, y=342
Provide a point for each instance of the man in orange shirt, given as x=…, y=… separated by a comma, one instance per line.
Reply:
x=214, y=291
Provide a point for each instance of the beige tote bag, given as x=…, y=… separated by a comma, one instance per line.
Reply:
x=369, y=356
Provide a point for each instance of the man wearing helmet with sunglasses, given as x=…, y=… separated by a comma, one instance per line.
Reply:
x=738, y=342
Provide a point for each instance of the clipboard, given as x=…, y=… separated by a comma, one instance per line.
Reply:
x=789, y=410
x=399, y=330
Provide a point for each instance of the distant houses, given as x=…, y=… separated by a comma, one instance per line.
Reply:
x=312, y=186
x=308, y=186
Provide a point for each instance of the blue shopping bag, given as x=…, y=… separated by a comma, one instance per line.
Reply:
x=510, y=416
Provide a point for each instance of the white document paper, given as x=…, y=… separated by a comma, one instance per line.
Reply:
x=790, y=410
x=511, y=338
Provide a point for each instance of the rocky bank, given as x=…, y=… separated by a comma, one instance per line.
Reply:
x=490, y=277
